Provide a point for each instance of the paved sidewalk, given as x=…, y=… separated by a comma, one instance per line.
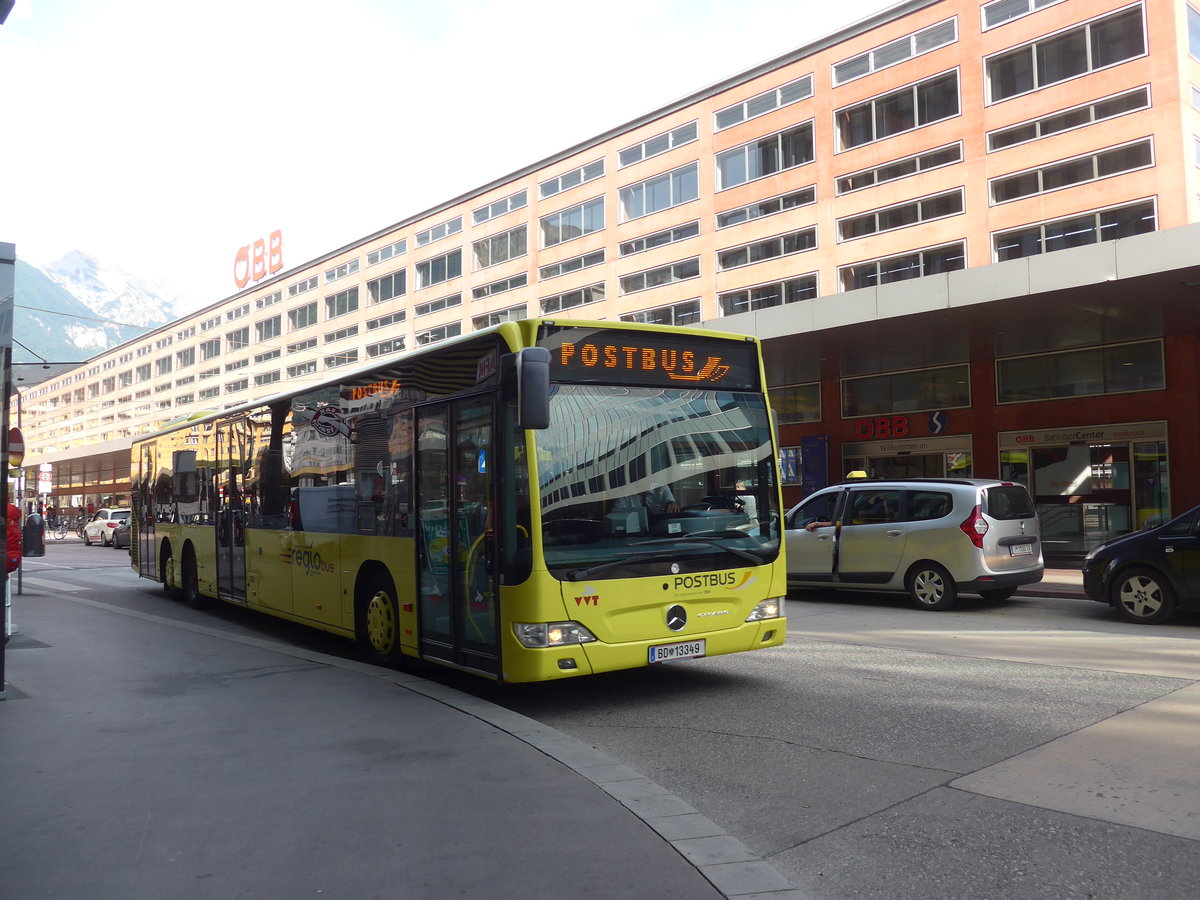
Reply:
x=150, y=757
x=1056, y=583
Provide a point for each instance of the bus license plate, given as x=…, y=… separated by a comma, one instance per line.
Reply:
x=670, y=652
x=1020, y=549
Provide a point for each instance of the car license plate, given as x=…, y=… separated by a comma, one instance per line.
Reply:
x=670, y=652
x=1020, y=549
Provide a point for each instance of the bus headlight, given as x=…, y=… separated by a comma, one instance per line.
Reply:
x=551, y=634
x=771, y=608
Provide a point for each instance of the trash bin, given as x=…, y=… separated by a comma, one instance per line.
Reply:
x=35, y=536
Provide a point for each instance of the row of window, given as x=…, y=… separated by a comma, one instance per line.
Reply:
x=1088, y=371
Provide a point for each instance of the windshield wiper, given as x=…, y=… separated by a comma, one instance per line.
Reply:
x=588, y=571
x=711, y=537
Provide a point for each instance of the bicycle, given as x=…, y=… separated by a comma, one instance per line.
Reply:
x=60, y=528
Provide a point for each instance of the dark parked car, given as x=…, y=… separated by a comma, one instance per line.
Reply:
x=1147, y=575
x=120, y=536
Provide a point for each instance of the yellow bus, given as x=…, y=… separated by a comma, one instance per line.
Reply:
x=543, y=499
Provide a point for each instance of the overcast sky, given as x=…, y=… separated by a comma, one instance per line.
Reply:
x=162, y=136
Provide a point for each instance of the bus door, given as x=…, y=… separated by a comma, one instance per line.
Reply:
x=146, y=548
x=231, y=515
x=456, y=544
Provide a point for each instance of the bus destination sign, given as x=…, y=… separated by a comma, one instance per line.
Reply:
x=616, y=356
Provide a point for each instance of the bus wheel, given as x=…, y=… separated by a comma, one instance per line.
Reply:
x=379, y=622
x=191, y=582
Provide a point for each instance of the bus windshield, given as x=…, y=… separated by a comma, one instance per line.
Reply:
x=645, y=481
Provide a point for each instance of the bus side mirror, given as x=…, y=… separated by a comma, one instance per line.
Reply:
x=533, y=388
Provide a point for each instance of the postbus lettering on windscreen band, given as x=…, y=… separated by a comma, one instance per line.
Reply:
x=679, y=365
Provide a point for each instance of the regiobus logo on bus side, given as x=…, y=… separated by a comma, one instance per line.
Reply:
x=308, y=560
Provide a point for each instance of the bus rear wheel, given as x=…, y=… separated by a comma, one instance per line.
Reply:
x=191, y=582
x=379, y=622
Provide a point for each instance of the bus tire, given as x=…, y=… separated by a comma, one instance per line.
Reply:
x=191, y=582
x=378, y=621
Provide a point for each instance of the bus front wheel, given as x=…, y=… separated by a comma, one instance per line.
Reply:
x=191, y=582
x=379, y=622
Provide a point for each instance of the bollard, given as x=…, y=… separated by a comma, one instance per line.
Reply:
x=35, y=536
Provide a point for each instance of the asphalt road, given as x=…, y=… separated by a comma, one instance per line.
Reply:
x=1033, y=748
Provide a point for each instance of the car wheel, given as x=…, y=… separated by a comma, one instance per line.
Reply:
x=379, y=622
x=1144, y=596
x=997, y=594
x=87, y=539
x=931, y=587
x=104, y=541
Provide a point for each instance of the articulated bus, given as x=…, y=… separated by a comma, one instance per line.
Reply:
x=543, y=499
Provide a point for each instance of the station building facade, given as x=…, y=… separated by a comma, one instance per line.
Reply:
x=966, y=233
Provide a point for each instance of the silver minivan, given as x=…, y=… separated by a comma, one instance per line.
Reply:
x=930, y=537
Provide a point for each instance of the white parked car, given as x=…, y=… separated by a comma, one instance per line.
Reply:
x=100, y=527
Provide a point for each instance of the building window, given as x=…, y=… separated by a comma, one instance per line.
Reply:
x=209, y=350
x=346, y=358
x=582, y=175
x=266, y=378
x=1070, y=119
x=571, y=299
x=209, y=393
x=769, y=248
x=487, y=320
x=947, y=258
x=184, y=399
x=435, y=335
x=660, y=143
x=341, y=334
x=341, y=303
x=900, y=168
x=660, y=192
x=765, y=156
x=266, y=357
x=300, y=287
x=162, y=365
x=268, y=328
x=765, y=296
x=1193, y=23
x=345, y=269
x=439, y=269
x=210, y=373
x=1075, y=231
x=761, y=104
x=301, y=346
x=500, y=247
x=268, y=300
x=661, y=275
x=500, y=207
x=437, y=232
x=902, y=215
x=660, y=238
x=1104, y=42
x=1081, y=170
x=384, y=321
x=385, y=348
x=908, y=47
x=436, y=306
x=499, y=287
x=948, y=387
x=237, y=312
x=304, y=368
x=1107, y=369
x=803, y=197
x=685, y=313
x=387, y=287
x=574, y=264
x=1002, y=11
x=237, y=364
x=572, y=222
x=797, y=403
x=385, y=253
x=302, y=316
x=240, y=384
x=924, y=103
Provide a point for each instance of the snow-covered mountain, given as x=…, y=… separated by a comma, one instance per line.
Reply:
x=78, y=306
x=111, y=292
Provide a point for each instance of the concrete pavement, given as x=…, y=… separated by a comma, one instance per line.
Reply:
x=146, y=756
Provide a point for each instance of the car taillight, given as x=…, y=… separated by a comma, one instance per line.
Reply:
x=975, y=526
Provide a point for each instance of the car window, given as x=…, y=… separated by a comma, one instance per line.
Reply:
x=1181, y=526
x=1009, y=501
x=819, y=507
x=872, y=506
x=121, y=516
x=926, y=505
